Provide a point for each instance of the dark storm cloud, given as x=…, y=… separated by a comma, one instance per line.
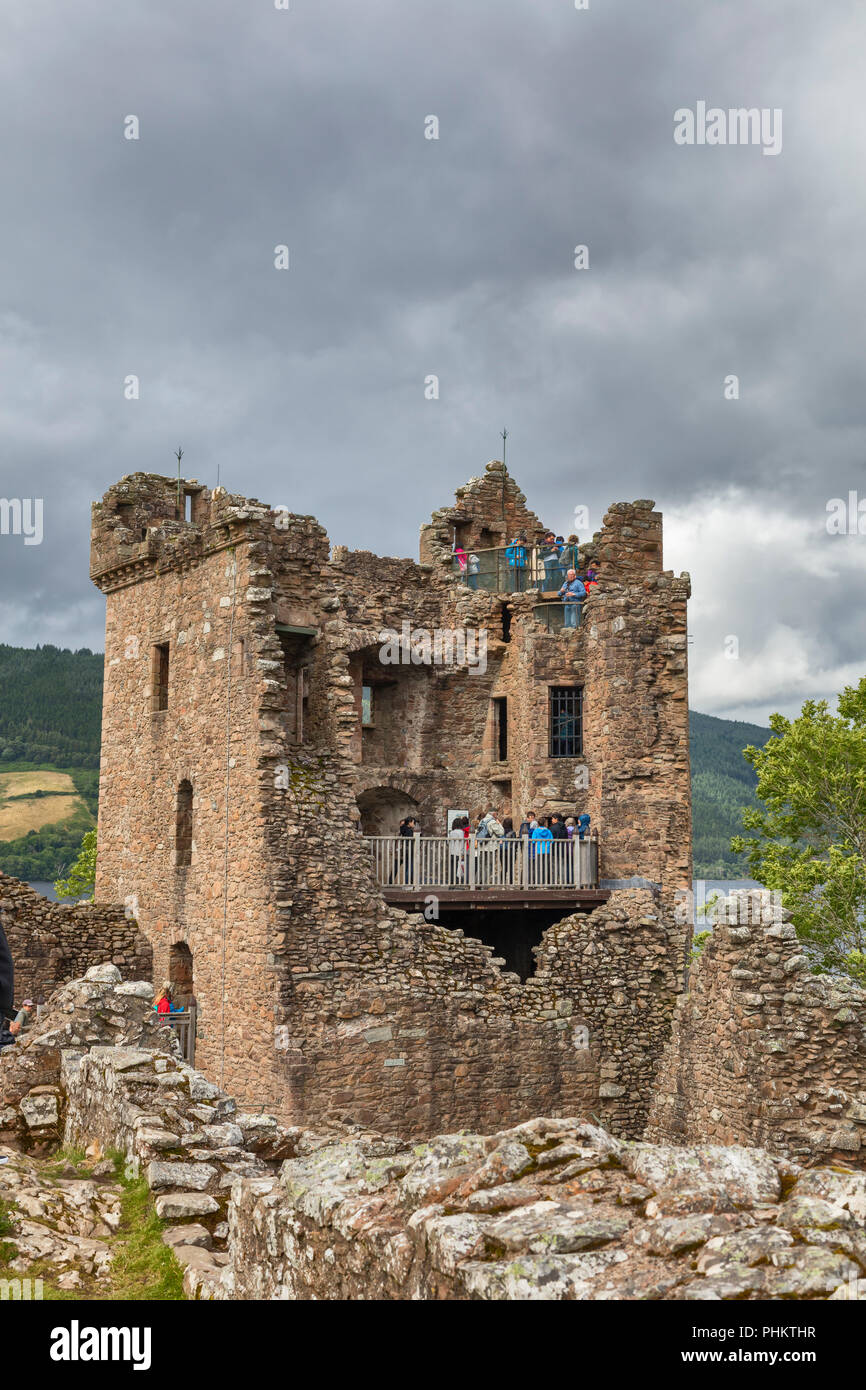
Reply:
x=453, y=257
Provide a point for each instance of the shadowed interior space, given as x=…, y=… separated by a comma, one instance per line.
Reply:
x=511, y=932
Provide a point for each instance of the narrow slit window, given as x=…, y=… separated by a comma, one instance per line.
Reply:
x=160, y=674
x=366, y=706
x=500, y=716
x=183, y=832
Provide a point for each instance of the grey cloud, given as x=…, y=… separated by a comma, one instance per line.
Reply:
x=409, y=257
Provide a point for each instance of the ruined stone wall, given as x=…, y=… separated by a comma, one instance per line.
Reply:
x=554, y=1208
x=763, y=1051
x=403, y=1025
x=100, y=1010
x=488, y=512
x=615, y=964
x=53, y=942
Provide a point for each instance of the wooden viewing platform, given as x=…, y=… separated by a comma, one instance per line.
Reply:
x=486, y=873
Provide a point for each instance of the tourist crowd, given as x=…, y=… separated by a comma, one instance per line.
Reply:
x=494, y=848
x=558, y=556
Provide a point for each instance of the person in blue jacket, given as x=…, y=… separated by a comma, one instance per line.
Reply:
x=571, y=594
x=515, y=555
x=542, y=838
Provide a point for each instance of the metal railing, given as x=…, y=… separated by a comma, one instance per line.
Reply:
x=428, y=861
x=516, y=569
x=556, y=616
x=183, y=1021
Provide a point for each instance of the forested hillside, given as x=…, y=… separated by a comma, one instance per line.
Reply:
x=50, y=706
x=722, y=783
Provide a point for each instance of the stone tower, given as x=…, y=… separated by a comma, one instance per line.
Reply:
x=240, y=767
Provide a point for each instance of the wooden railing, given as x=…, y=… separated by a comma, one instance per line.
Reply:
x=183, y=1022
x=427, y=861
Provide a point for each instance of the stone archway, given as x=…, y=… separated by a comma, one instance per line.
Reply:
x=180, y=975
x=383, y=808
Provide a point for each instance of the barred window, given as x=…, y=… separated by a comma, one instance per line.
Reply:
x=566, y=721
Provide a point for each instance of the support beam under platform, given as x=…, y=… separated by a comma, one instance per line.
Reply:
x=569, y=899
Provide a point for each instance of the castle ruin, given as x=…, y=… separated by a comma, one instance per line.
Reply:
x=263, y=737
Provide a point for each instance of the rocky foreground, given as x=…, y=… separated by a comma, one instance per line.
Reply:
x=58, y=1221
x=550, y=1209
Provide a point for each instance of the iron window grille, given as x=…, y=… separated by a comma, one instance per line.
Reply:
x=566, y=721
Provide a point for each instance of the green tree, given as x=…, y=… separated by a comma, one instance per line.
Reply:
x=699, y=941
x=82, y=875
x=809, y=841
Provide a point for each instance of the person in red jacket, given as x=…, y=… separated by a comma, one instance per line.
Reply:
x=162, y=1003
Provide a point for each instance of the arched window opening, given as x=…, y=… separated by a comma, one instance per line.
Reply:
x=180, y=975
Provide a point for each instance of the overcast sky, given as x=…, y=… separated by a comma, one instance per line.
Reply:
x=410, y=257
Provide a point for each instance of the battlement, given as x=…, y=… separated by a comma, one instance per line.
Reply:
x=148, y=521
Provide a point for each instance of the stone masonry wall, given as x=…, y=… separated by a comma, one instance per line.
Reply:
x=763, y=1051
x=54, y=942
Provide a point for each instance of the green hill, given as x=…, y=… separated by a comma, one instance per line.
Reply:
x=722, y=783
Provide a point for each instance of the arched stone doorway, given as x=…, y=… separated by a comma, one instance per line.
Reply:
x=383, y=808
x=180, y=975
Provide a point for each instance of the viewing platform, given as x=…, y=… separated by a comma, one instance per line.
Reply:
x=486, y=873
x=517, y=569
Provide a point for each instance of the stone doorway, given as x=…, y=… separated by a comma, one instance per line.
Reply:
x=180, y=975
x=383, y=808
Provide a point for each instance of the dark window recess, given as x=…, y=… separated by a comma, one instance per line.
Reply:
x=297, y=653
x=506, y=622
x=500, y=713
x=183, y=832
x=159, y=677
x=305, y=698
x=566, y=721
